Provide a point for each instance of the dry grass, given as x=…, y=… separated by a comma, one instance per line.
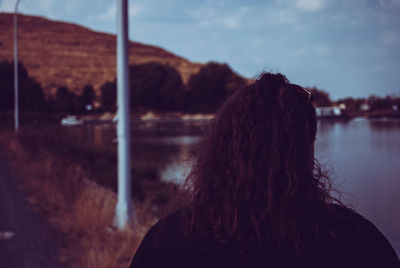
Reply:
x=77, y=206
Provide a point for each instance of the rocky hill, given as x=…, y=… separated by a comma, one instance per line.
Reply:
x=64, y=54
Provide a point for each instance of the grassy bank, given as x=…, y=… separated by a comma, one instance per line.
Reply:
x=72, y=184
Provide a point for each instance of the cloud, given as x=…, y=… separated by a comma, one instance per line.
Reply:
x=111, y=12
x=391, y=39
x=107, y=15
x=48, y=8
x=212, y=16
x=230, y=22
x=47, y=5
x=322, y=49
x=135, y=9
x=7, y=6
x=389, y=3
x=310, y=5
x=202, y=12
x=285, y=17
x=377, y=68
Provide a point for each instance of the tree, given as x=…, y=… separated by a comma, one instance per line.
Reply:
x=156, y=87
x=377, y=103
x=109, y=96
x=87, y=97
x=65, y=101
x=153, y=86
x=396, y=102
x=321, y=98
x=211, y=85
x=30, y=95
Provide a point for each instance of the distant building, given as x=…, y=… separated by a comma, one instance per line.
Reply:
x=364, y=107
x=328, y=112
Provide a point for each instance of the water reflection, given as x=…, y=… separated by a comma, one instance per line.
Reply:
x=385, y=125
x=363, y=156
x=176, y=141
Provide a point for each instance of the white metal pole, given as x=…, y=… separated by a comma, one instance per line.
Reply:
x=124, y=210
x=16, y=116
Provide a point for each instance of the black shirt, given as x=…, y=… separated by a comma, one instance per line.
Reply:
x=358, y=244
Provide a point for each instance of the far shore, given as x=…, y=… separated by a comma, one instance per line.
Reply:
x=111, y=118
x=153, y=116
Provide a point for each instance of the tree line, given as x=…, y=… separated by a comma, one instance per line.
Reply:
x=356, y=105
x=160, y=88
x=31, y=97
x=154, y=87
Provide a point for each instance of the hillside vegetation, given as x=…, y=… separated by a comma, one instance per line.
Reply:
x=59, y=54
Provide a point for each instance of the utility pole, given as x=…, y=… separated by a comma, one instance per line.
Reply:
x=124, y=210
x=16, y=123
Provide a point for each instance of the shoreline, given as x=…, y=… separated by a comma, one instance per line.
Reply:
x=110, y=118
x=78, y=198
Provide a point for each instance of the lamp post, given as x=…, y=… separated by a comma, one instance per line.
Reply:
x=16, y=66
x=124, y=212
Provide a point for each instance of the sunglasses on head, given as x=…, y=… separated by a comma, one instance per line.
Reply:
x=306, y=93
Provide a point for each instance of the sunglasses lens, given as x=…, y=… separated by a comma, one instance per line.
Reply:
x=311, y=98
x=306, y=93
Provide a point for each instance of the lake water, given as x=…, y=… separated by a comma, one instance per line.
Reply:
x=363, y=157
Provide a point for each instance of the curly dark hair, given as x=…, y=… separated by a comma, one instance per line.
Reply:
x=255, y=174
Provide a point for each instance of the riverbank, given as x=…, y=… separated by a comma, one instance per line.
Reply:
x=38, y=119
x=150, y=116
x=73, y=184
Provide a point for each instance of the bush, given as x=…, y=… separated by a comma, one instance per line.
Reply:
x=65, y=101
x=109, y=97
x=153, y=86
x=321, y=98
x=211, y=86
x=86, y=98
x=30, y=95
x=156, y=87
x=376, y=103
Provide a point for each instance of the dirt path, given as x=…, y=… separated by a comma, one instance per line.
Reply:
x=26, y=237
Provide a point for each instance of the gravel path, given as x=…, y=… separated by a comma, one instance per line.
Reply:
x=26, y=237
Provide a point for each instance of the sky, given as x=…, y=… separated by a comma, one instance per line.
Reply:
x=345, y=47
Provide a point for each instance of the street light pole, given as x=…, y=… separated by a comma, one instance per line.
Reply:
x=16, y=66
x=124, y=211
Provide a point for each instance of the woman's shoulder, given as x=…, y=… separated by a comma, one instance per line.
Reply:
x=168, y=244
x=166, y=229
x=164, y=243
x=360, y=236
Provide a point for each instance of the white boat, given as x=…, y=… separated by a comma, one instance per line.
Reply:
x=71, y=120
x=203, y=117
x=329, y=112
